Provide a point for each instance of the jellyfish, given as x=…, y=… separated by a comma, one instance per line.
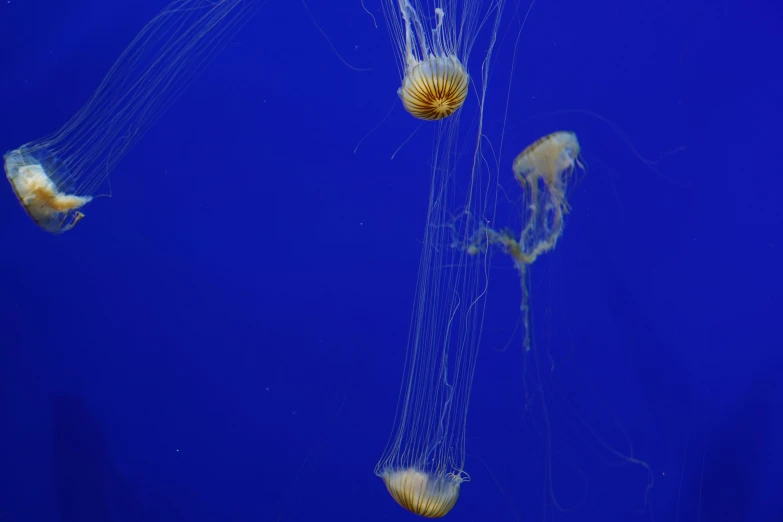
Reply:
x=544, y=171
x=56, y=176
x=432, y=60
x=423, y=464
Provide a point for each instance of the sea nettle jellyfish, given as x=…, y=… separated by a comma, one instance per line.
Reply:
x=56, y=176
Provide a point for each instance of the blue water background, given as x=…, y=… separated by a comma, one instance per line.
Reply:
x=223, y=339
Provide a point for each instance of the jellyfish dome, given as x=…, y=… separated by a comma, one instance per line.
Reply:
x=435, y=88
x=422, y=493
x=40, y=192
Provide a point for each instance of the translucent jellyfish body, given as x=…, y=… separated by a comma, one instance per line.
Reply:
x=55, y=176
x=544, y=171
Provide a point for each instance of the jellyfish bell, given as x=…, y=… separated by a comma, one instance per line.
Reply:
x=52, y=209
x=422, y=493
x=551, y=159
x=434, y=89
x=431, y=60
x=56, y=176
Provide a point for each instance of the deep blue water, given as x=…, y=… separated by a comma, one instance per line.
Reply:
x=223, y=338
